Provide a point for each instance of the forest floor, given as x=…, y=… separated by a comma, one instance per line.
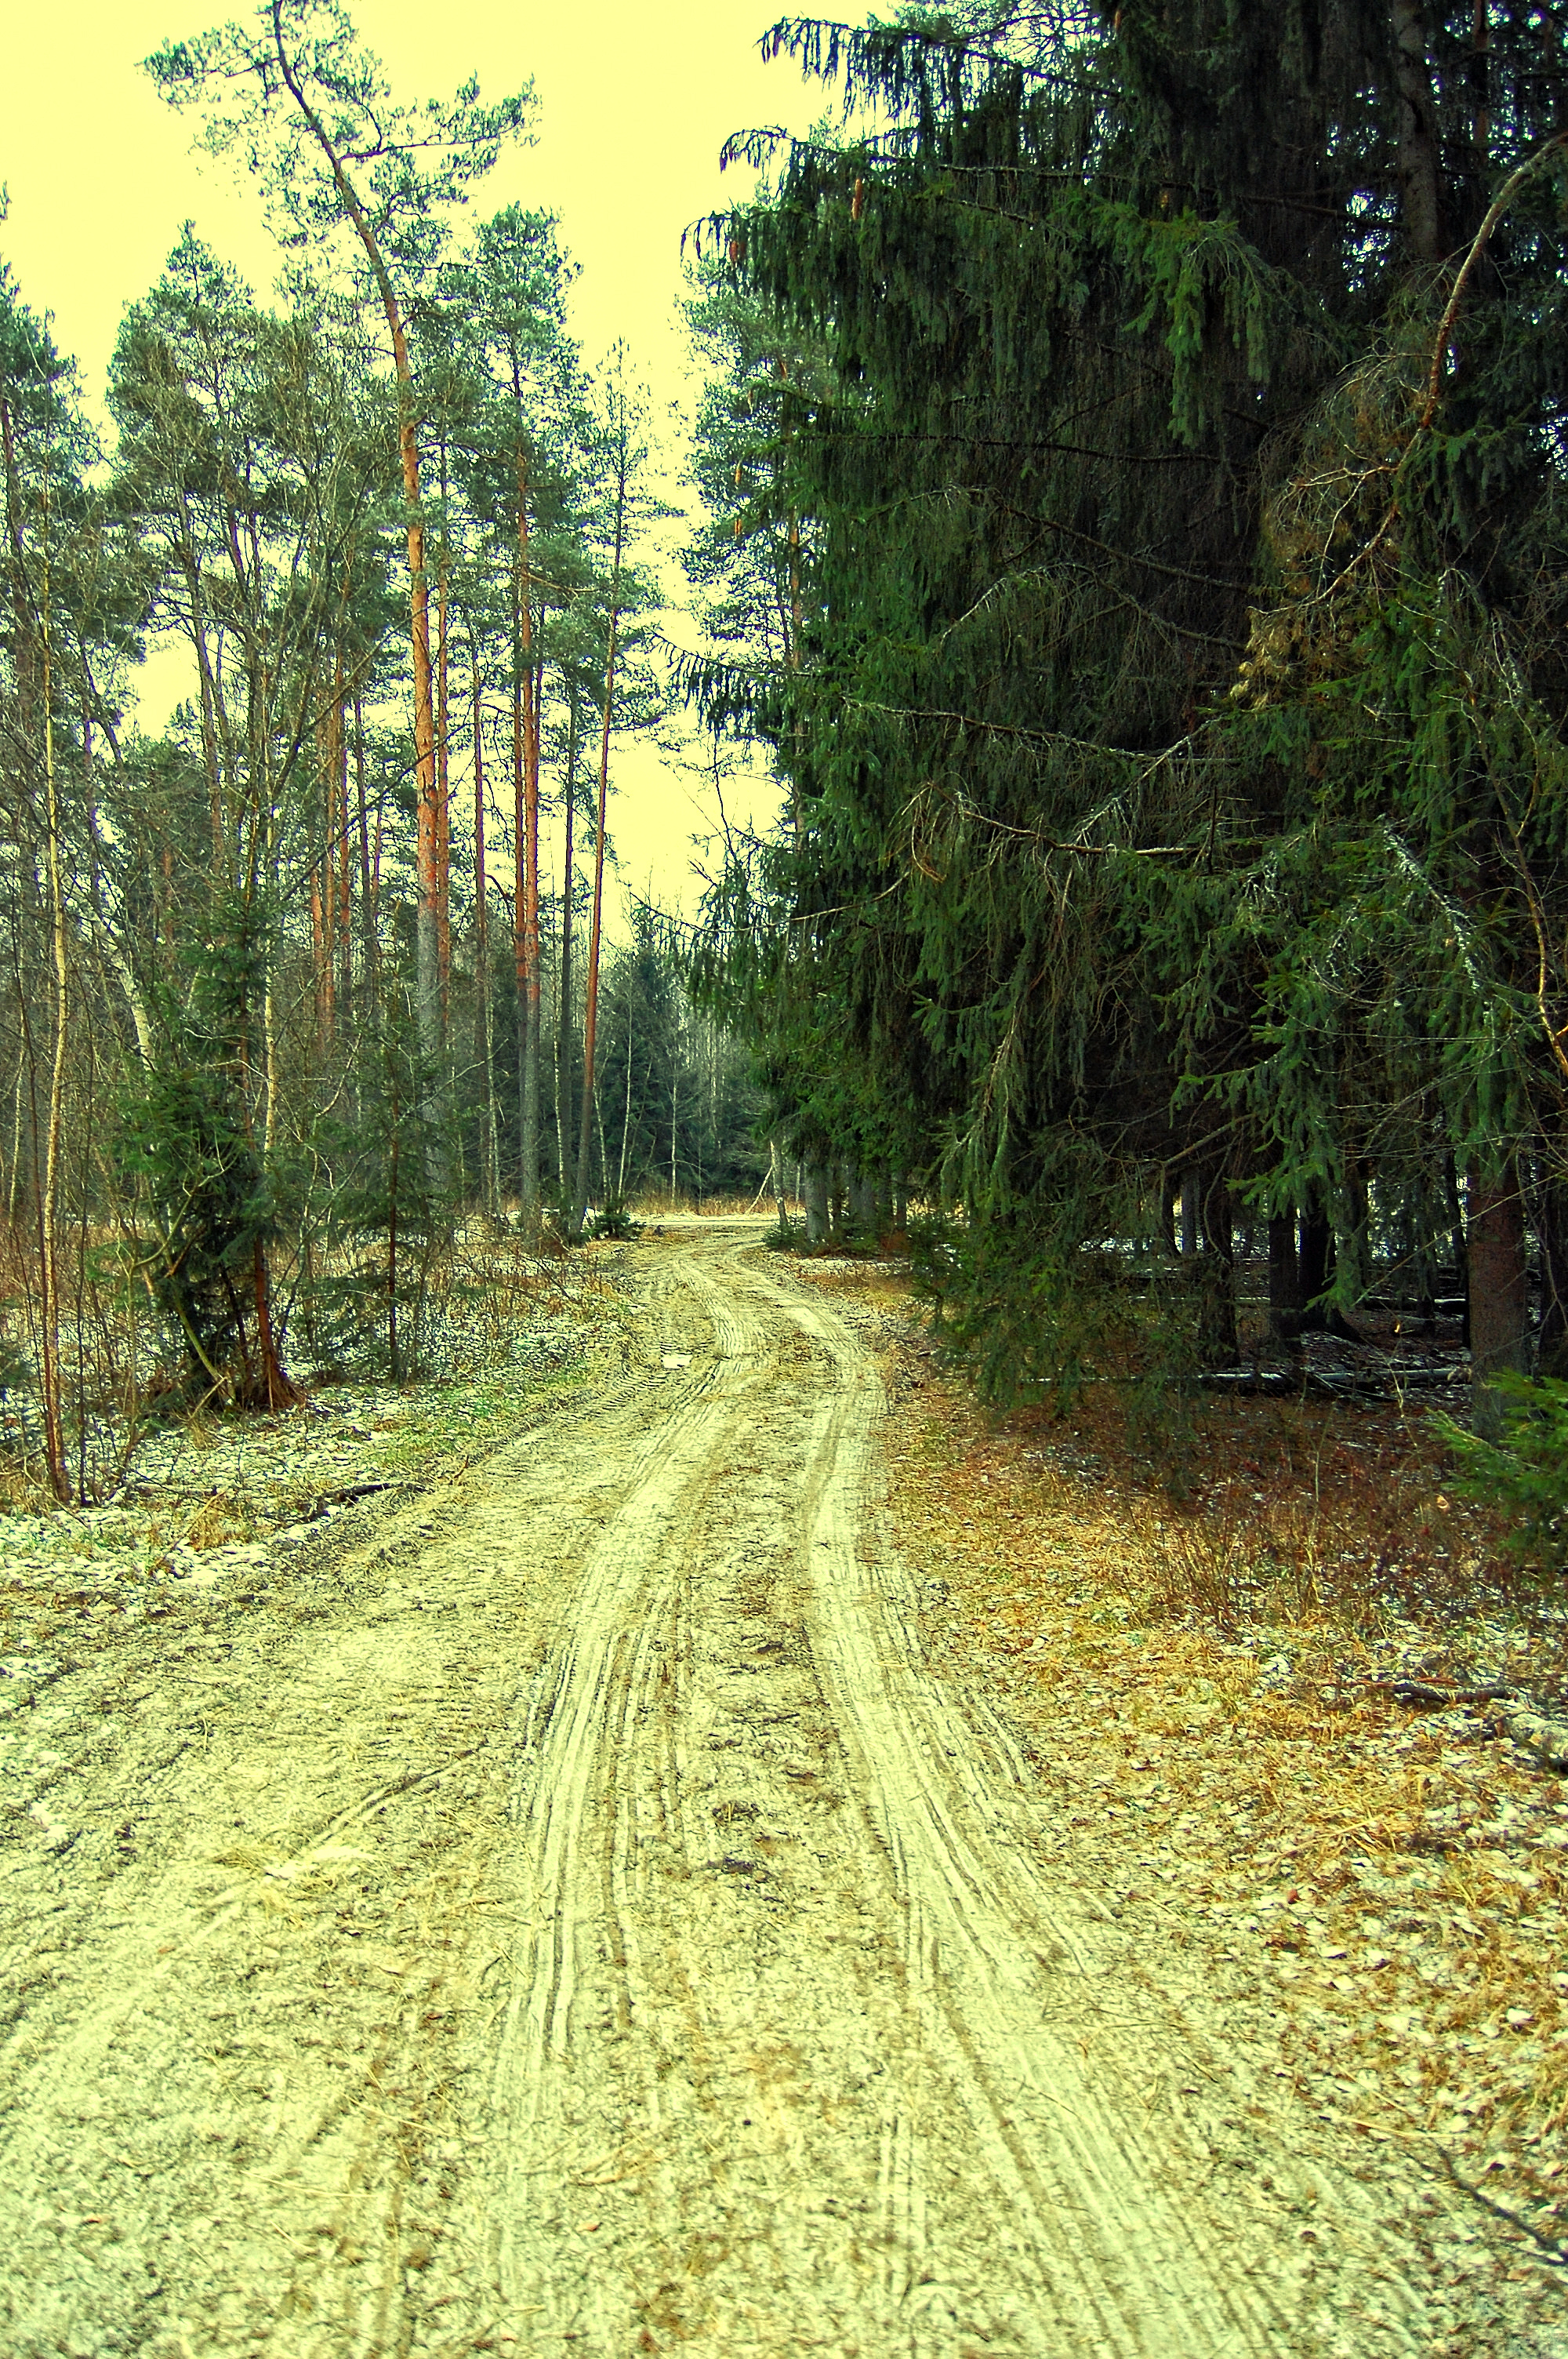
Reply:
x=769, y=1858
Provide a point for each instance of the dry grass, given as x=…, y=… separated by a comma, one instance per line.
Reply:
x=1206, y=1687
x=224, y=1516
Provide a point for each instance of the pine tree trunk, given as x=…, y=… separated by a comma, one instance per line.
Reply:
x=49, y=1383
x=276, y=1389
x=319, y=955
x=393, y=1362
x=492, y=1160
x=590, y=1010
x=324, y=888
x=370, y=943
x=345, y=853
x=520, y=901
x=564, y=1060
x=428, y=949
x=1500, y=1299
x=443, y=815
x=590, y=1006
x=529, y=873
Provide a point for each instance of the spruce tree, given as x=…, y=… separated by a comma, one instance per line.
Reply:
x=1129, y=317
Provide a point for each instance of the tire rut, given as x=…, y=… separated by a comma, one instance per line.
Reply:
x=949, y=2159
x=602, y=1934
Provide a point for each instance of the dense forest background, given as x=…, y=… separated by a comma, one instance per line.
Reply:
x=1130, y=487
x=294, y=988
x=1136, y=474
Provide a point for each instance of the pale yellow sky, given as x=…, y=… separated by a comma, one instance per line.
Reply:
x=633, y=102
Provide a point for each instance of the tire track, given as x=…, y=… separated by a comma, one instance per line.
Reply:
x=576, y=1882
x=894, y=2111
x=598, y=1933
x=997, y=1967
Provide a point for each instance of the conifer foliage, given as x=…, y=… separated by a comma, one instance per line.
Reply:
x=1172, y=725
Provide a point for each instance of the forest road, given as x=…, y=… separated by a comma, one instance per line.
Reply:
x=583, y=1924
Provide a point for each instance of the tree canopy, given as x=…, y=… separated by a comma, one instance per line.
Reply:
x=1172, y=730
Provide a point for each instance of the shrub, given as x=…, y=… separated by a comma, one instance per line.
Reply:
x=1525, y=1469
x=614, y=1222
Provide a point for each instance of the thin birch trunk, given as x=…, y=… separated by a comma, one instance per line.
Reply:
x=776, y=1180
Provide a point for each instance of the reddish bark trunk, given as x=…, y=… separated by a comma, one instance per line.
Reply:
x=443, y=810
x=528, y=877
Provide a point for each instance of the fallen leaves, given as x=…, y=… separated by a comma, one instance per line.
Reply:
x=1395, y=1889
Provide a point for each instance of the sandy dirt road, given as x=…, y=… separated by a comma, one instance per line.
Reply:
x=578, y=1921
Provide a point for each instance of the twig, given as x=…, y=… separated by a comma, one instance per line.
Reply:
x=1556, y=2254
x=1425, y=1695
x=1494, y=213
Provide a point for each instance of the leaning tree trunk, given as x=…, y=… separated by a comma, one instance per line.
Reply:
x=428, y=948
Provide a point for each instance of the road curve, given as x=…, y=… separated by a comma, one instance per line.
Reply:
x=801, y=2051
x=593, y=1930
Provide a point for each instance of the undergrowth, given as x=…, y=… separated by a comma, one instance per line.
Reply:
x=1222, y=1687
